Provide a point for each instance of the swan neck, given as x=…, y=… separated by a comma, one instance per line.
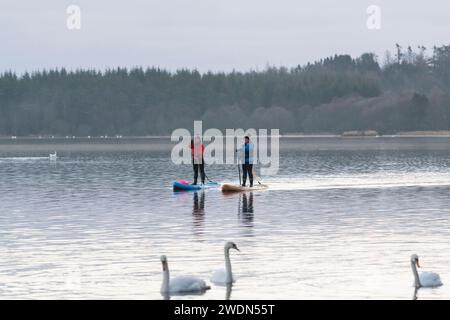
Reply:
x=166, y=279
x=229, y=274
x=417, y=283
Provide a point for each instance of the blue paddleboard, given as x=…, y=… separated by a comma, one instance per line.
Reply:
x=183, y=186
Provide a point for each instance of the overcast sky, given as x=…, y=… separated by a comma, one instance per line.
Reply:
x=218, y=35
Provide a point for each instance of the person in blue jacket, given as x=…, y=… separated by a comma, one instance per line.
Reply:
x=246, y=152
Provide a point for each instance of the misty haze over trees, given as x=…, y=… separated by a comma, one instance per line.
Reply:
x=405, y=91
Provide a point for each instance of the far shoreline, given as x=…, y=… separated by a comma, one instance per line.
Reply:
x=400, y=134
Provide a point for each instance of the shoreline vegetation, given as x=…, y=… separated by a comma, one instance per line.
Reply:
x=404, y=91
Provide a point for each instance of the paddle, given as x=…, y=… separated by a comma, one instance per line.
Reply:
x=239, y=169
x=254, y=174
x=207, y=178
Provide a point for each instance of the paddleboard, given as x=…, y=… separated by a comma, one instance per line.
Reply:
x=238, y=188
x=181, y=185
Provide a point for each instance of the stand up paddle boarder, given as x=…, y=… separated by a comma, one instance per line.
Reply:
x=246, y=154
x=197, y=151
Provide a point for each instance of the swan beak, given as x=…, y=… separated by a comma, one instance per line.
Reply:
x=237, y=249
x=418, y=265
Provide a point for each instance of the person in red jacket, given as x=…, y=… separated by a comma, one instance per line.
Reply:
x=197, y=151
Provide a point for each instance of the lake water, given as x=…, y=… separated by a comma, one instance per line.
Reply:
x=339, y=221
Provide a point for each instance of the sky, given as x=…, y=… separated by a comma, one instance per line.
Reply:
x=209, y=35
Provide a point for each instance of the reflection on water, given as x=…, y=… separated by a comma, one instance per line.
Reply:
x=247, y=203
x=246, y=209
x=199, y=204
x=229, y=290
x=182, y=295
x=340, y=221
x=198, y=211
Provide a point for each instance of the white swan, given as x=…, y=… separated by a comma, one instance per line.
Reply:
x=180, y=284
x=225, y=276
x=52, y=156
x=424, y=279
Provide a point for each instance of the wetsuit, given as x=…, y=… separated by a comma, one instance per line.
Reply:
x=198, y=162
x=247, y=165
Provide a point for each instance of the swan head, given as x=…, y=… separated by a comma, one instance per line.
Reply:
x=231, y=245
x=415, y=259
x=164, y=262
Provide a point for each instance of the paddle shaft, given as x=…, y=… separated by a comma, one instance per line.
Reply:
x=254, y=174
x=239, y=169
x=209, y=179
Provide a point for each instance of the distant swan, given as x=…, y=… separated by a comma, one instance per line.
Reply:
x=225, y=276
x=424, y=279
x=180, y=284
x=52, y=156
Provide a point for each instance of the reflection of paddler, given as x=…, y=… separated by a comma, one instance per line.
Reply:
x=247, y=204
x=199, y=205
x=246, y=209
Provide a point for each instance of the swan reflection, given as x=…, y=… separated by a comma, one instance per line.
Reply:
x=168, y=296
x=415, y=293
x=229, y=290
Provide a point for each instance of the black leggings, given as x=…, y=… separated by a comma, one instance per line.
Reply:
x=199, y=167
x=247, y=169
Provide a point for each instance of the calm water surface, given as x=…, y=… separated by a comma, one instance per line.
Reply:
x=340, y=220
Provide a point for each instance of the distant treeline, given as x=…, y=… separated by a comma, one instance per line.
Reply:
x=408, y=90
